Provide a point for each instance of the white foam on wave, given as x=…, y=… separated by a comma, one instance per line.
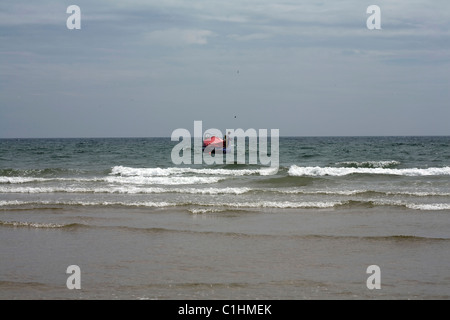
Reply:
x=164, y=180
x=4, y=203
x=360, y=192
x=172, y=180
x=88, y=203
x=369, y=164
x=319, y=192
x=218, y=206
x=164, y=172
x=31, y=224
x=415, y=206
x=203, y=211
x=332, y=171
x=418, y=194
x=214, y=191
x=23, y=180
x=125, y=190
x=262, y=204
x=280, y=205
x=17, y=180
x=133, y=189
x=429, y=206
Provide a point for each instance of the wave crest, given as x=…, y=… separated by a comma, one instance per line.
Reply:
x=164, y=172
x=337, y=172
x=35, y=224
x=369, y=164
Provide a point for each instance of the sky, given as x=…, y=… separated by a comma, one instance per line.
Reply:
x=142, y=68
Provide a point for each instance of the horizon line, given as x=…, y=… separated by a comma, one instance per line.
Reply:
x=286, y=136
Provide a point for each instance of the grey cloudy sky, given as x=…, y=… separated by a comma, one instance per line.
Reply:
x=144, y=68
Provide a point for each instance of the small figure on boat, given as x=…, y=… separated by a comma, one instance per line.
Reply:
x=213, y=143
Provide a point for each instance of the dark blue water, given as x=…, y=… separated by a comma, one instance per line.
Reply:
x=412, y=172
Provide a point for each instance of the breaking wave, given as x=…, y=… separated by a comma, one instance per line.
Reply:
x=126, y=190
x=429, y=207
x=164, y=172
x=135, y=189
x=36, y=224
x=369, y=164
x=334, y=171
x=170, y=180
x=162, y=204
x=216, y=205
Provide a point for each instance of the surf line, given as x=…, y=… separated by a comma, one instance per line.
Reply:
x=213, y=154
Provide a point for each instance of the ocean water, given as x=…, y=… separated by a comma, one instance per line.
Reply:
x=140, y=227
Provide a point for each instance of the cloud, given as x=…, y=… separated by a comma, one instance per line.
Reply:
x=293, y=56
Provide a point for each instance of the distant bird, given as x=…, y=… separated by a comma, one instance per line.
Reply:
x=235, y=117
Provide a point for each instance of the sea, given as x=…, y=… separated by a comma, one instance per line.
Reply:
x=339, y=218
